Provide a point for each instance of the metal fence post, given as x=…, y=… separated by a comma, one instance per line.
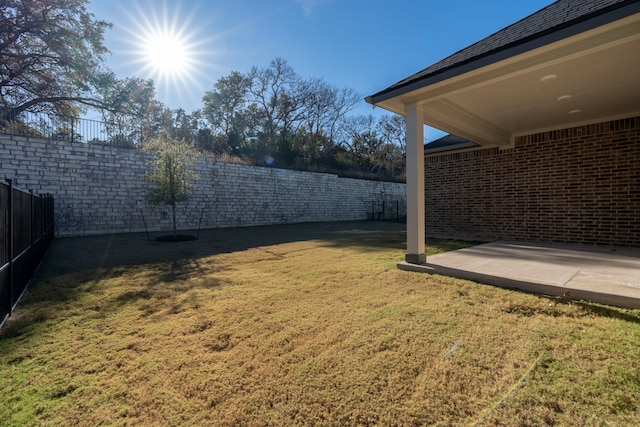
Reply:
x=32, y=209
x=10, y=241
x=52, y=217
x=43, y=221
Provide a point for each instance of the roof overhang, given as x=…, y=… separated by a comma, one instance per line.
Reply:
x=581, y=74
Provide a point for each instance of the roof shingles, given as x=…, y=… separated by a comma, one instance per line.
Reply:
x=557, y=14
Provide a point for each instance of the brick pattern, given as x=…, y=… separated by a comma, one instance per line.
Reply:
x=100, y=189
x=576, y=185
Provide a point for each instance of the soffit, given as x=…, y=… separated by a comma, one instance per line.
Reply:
x=596, y=79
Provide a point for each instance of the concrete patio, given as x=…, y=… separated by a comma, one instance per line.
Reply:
x=599, y=274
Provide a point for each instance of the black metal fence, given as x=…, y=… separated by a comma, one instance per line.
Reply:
x=26, y=231
x=387, y=210
x=75, y=129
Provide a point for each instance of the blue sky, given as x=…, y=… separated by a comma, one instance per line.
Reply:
x=366, y=45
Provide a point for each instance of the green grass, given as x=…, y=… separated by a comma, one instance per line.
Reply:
x=307, y=324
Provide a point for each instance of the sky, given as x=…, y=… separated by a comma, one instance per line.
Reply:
x=185, y=46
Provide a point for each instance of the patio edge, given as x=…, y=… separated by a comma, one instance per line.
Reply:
x=577, y=294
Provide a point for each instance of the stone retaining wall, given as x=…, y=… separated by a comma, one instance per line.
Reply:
x=99, y=189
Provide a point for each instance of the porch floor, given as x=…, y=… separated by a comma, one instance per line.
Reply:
x=601, y=274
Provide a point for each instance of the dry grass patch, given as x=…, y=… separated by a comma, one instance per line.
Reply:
x=301, y=325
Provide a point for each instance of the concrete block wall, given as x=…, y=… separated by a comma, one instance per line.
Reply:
x=577, y=185
x=99, y=189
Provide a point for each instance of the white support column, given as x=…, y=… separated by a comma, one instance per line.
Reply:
x=415, y=185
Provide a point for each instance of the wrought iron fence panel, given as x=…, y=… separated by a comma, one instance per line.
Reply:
x=26, y=231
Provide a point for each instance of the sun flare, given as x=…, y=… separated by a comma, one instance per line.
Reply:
x=166, y=54
x=169, y=46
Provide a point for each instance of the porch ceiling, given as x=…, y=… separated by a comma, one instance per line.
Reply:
x=588, y=77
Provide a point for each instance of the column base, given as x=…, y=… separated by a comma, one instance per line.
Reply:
x=415, y=258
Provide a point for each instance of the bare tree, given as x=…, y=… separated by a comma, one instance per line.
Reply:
x=392, y=130
x=360, y=136
x=325, y=106
x=279, y=94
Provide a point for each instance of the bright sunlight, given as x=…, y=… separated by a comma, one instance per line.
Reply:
x=167, y=48
x=167, y=54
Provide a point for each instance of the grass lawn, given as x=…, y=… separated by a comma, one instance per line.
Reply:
x=308, y=324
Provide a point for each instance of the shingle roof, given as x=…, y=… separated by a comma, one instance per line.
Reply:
x=558, y=15
x=448, y=142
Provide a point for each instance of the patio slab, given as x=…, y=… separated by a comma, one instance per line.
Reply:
x=592, y=273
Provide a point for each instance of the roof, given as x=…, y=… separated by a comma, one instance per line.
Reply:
x=448, y=142
x=572, y=63
x=547, y=21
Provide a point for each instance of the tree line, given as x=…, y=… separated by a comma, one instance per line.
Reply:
x=52, y=60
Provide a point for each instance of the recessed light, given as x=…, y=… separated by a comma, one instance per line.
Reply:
x=548, y=78
x=575, y=111
x=564, y=97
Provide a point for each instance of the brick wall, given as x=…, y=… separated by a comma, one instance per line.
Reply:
x=99, y=189
x=577, y=185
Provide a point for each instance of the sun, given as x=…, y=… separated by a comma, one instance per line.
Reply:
x=166, y=54
x=170, y=46
x=164, y=50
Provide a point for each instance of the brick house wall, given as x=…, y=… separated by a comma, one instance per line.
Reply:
x=576, y=185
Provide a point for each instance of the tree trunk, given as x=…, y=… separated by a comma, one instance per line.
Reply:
x=175, y=228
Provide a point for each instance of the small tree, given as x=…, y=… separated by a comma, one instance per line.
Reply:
x=171, y=171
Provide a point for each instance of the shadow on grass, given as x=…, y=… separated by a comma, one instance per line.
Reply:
x=627, y=315
x=75, y=267
x=75, y=254
x=95, y=258
x=586, y=308
x=159, y=289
